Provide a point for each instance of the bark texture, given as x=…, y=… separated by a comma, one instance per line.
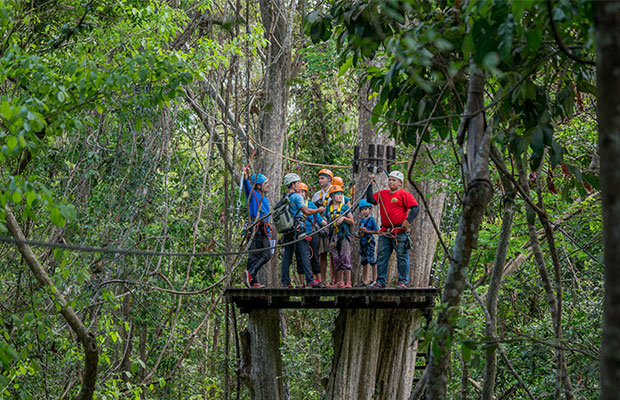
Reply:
x=86, y=338
x=607, y=20
x=476, y=198
x=374, y=354
x=261, y=361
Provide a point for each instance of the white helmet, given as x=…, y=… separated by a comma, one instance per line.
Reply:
x=291, y=178
x=398, y=175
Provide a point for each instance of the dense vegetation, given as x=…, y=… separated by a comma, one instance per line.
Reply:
x=126, y=125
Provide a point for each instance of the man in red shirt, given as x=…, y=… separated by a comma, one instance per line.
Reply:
x=398, y=208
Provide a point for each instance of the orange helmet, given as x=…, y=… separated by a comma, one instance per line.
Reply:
x=336, y=180
x=302, y=186
x=335, y=189
x=327, y=172
x=352, y=192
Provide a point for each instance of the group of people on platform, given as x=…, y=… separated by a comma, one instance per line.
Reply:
x=323, y=226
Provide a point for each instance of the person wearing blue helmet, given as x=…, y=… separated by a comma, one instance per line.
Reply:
x=367, y=228
x=255, y=189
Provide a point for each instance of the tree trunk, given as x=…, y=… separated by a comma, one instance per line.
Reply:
x=607, y=20
x=272, y=124
x=477, y=196
x=261, y=361
x=262, y=338
x=490, y=365
x=374, y=354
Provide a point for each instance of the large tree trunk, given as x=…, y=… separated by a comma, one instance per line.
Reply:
x=374, y=354
x=607, y=20
x=261, y=362
x=277, y=21
x=477, y=196
x=263, y=331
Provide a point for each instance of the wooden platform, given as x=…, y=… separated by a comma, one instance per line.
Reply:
x=277, y=298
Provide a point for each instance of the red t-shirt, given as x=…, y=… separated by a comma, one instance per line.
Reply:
x=394, y=207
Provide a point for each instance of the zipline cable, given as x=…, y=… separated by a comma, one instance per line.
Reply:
x=119, y=251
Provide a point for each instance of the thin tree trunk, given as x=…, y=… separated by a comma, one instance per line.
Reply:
x=490, y=365
x=477, y=196
x=607, y=20
x=86, y=338
x=561, y=370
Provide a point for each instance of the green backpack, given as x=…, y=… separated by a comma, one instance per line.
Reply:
x=283, y=219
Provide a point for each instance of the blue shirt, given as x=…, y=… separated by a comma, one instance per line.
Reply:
x=370, y=224
x=312, y=220
x=254, y=198
x=332, y=213
x=297, y=202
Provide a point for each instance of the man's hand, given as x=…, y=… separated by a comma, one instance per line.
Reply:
x=364, y=229
x=339, y=221
x=321, y=210
x=246, y=172
x=405, y=225
x=372, y=178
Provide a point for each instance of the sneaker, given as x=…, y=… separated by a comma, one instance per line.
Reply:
x=257, y=285
x=361, y=284
x=289, y=286
x=316, y=284
x=248, y=279
x=348, y=285
x=333, y=285
x=376, y=285
x=401, y=285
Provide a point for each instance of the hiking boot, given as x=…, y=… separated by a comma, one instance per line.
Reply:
x=247, y=279
x=376, y=285
x=257, y=285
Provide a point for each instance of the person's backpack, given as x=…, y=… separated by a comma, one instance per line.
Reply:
x=283, y=219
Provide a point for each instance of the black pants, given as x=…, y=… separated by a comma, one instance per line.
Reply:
x=313, y=246
x=256, y=260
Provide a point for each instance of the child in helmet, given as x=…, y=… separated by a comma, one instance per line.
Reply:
x=367, y=228
x=339, y=236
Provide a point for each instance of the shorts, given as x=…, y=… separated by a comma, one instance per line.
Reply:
x=367, y=253
x=323, y=243
x=341, y=254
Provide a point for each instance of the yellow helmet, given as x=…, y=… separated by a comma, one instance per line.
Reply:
x=302, y=186
x=336, y=180
x=335, y=189
x=327, y=172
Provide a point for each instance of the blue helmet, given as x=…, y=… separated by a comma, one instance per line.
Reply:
x=255, y=179
x=364, y=204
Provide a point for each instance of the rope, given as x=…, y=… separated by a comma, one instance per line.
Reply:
x=119, y=251
x=311, y=163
